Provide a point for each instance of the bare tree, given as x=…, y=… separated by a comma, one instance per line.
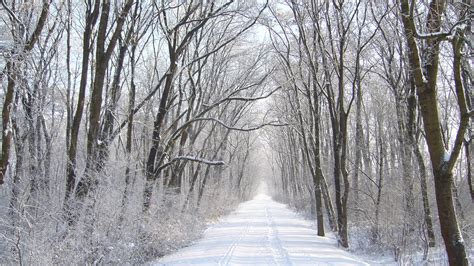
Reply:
x=425, y=74
x=25, y=43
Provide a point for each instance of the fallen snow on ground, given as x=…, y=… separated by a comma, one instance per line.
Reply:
x=262, y=232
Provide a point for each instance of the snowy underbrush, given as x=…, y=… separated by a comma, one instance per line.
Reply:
x=299, y=203
x=391, y=245
x=392, y=240
x=108, y=233
x=403, y=240
x=394, y=245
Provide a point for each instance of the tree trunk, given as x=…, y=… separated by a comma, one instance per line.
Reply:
x=448, y=219
x=329, y=206
x=103, y=53
x=412, y=128
x=7, y=129
x=425, y=198
x=47, y=161
x=315, y=170
x=14, y=206
x=467, y=153
x=425, y=79
x=318, y=177
x=406, y=162
x=154, y=154
x=91, y=18
x=12, y=69
x=106, y=133
x=129, y=141
x=381, y=155
x=359, y=140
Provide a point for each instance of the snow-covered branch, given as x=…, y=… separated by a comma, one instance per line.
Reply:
x=12, y=15
x=245, y=99
x=192, y=159
x=459, y=25
x=198, y=160
x=273, y=124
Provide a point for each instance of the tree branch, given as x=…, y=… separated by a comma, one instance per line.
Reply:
x=11, y=13
x=273, y=124
x=189, y=158
x=39, y=26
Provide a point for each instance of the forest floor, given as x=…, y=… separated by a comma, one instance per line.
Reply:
x=262, y=232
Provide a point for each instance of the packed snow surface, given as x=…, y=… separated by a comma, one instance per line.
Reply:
x=262, y=232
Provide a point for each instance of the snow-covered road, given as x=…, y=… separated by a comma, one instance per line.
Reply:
x=262, y=232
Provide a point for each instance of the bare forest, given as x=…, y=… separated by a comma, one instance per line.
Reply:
x=129, y=126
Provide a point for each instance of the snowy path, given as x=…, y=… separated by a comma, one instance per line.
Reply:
x=262, y=232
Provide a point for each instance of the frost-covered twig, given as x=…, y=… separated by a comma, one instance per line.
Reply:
x=199, y=160
x=11, y=13
x=219, y=47
x=189, y=158
x=440, y=34
x=273, y=124
x=245, y=99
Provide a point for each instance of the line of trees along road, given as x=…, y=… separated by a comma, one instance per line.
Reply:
x=378, y=99
x=119, y=125
x=126, y=125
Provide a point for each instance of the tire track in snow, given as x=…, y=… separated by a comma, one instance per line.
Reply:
x=226, y=259
x=280, y=256
x=262, y=232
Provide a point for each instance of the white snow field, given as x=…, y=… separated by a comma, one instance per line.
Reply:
x=262, y=232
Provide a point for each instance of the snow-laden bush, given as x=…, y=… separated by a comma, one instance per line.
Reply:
x=41, y=236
